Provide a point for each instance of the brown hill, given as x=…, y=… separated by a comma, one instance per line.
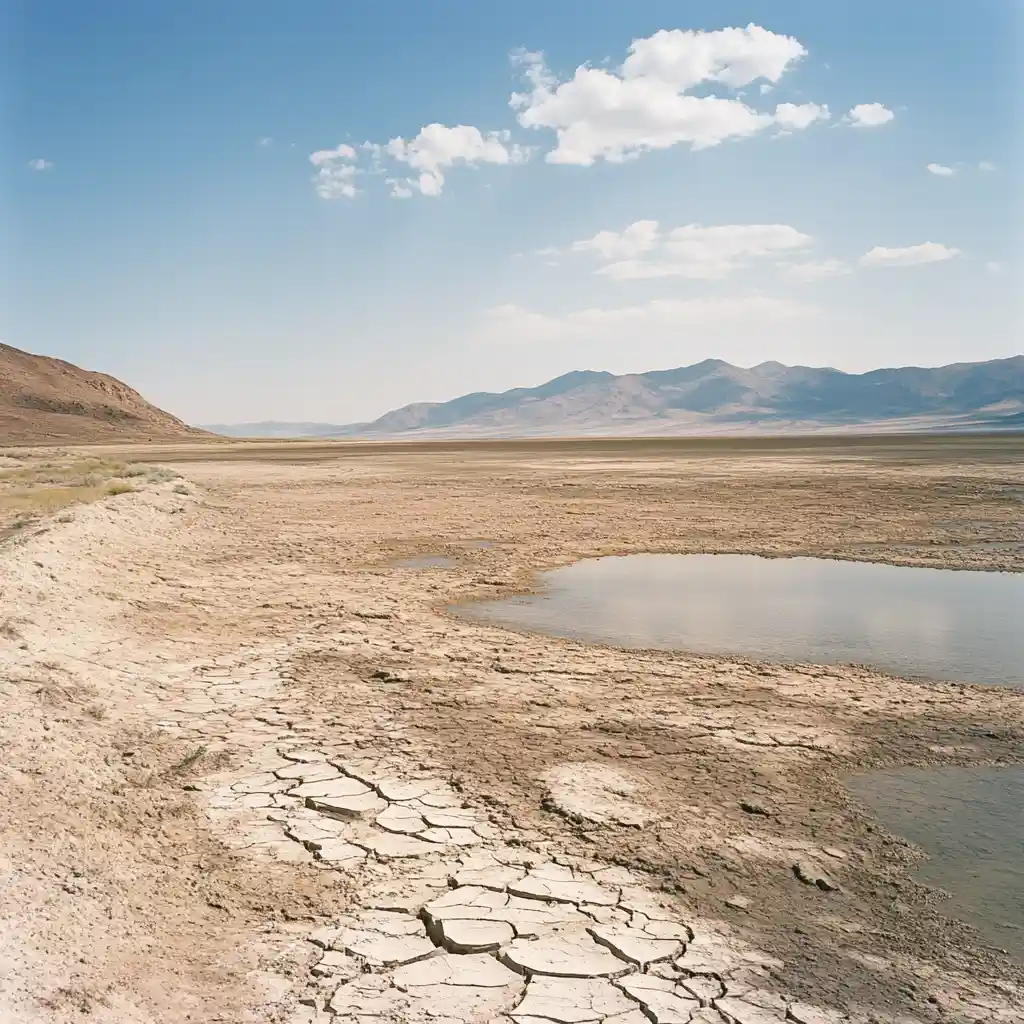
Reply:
x=44, y=400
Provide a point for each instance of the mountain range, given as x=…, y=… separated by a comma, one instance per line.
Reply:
x=710, y=397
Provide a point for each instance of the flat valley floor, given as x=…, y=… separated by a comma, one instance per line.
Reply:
x=254, y=770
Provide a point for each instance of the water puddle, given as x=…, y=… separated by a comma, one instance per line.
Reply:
x=934, y=623
x=427, y=562
x=970, y=822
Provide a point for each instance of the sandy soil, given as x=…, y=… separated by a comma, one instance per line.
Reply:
x=253, y=771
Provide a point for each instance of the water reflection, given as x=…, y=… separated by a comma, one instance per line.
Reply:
x=910, y=621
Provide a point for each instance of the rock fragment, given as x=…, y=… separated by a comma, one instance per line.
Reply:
x=810, y=872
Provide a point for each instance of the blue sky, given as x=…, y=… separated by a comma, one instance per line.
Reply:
x=241, y=208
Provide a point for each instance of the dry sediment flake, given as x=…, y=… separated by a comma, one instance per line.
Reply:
x=493, y=876
x=527, y=916
x=573, y=1001
x=597, y=793
x=474, y=936
x=561, y=884
x=570, y=954
x=636, y=946
x=397, y=818
x=458, y=988
x=338, y=786
x=337, y=852
x=743, y=1011
x=358, y=806
x=664, y=1001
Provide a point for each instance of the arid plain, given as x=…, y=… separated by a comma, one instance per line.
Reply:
x=253, y=770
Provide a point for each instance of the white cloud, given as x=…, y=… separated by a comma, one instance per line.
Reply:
x=40, y=164
x=908, y=256
x=336, y=172
x=869, y=115
x=817, y=271
x=638, y=238
x=514, y=324
x=995, y=267
x=692, y=251
x=733, y=56
x=399, y=189
x=986, y=165
x=941, y=170
x=438, y=147
x=797, y=116
x=266, y=141
x=323, y=157
x=645, y=104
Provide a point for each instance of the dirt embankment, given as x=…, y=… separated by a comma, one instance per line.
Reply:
x=232, y=725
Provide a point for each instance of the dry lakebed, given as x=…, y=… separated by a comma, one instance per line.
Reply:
x=262, y=762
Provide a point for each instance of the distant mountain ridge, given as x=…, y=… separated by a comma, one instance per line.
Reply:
x=710, y=397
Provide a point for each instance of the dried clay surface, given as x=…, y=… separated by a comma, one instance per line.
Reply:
x=254, y=769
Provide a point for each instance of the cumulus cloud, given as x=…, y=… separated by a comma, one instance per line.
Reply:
x=434, y=150
x=438, y=147
x=336, y=172
x=692, y=251
x=638, y=238
x=869, y=115
x=941, y=170
x=40, y=164
x=986, y=165
x=646, y=103
x=514, y=324
x=908, y=255
x=323, y=157
x=399, y=188
x=817, y=270
x=797, y=116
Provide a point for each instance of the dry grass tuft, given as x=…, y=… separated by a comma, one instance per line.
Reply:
x=189, y=761
x=33, y=485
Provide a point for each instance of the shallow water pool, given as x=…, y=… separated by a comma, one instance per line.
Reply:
x=970, y=822
x=910, y=621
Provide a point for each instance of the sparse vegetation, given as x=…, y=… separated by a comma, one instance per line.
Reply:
x=188, y=761
x=33, y=486
x=161, y=474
